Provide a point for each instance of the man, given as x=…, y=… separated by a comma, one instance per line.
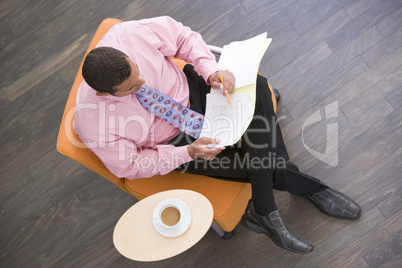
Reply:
x=121, y=127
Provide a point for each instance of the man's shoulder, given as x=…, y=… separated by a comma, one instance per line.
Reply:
x=138, y=25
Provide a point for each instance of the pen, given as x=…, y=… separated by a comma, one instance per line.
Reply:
x=227, y=96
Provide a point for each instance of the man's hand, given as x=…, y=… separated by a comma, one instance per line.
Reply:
x=228, y=81
x=199, y=149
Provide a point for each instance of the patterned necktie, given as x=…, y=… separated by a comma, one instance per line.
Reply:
x=170, y=111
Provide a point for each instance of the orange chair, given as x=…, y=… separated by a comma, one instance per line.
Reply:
x=229, y=199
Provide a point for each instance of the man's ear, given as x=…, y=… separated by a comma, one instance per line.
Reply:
x=100, y=94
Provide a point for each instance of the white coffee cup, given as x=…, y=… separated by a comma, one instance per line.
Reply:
x=171, y=217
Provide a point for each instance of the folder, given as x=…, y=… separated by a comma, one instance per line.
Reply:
x=228, y=122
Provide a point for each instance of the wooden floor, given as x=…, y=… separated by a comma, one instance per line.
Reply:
x=344, y=54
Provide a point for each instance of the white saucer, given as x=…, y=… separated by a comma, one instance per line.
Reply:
x=181, y=226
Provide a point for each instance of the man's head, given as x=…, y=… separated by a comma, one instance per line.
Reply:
x=111, y=72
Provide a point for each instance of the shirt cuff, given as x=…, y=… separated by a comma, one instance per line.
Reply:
x=208, y=68
x=183, y=152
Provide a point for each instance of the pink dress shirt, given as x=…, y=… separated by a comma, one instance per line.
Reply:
x=129, y=140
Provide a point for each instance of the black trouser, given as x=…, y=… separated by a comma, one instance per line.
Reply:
x=259, y=158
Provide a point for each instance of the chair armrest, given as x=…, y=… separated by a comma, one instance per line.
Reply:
x=215, y=50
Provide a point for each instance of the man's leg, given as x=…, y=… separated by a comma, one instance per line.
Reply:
x=259, y=216
x=290, y=179
x=266, y=145
x=238, y=162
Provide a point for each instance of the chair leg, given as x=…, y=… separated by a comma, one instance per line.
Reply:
x=220, y=232
x=277, y=94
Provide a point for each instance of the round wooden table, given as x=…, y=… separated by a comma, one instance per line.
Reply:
x=136, y=238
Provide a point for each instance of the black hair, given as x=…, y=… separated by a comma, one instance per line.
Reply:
x=105, y=68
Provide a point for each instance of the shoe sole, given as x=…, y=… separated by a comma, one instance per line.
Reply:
x=258, y=229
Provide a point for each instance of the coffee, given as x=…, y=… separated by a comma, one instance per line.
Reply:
x=170, y=216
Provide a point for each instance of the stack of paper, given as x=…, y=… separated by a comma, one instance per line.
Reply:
x=228, y=122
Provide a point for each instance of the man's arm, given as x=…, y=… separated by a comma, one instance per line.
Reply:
x=177, y=40
x=126, y=160
x=145, y=163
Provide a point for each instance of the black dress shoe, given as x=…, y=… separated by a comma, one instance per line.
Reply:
x=335, y=204
x=274, y=226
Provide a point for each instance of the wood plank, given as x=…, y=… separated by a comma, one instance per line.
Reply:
x=335, y=243
x=367, y=79
x=366, y=244
x=385, y=252
x=360, y=263
x=343, y=95
x=46, y=46
x=11, y=38
x=86, y=21
x=211, y=34
x=46, y=218
x=392, y=204
x=19, y=15
x=315, y=137
x=334, y=81
x=141, y=9
x=22, y=85
x=360, y=136
x=69, y=185
x=391, y=23
x=286, y=17
x=41, y=240
x=36, y=138
x=8, y=6
x=304, y=63
x=38, y=234
x=53, y=9
x=365, y=21
x=115, y=264
x=359, y=110
x=369, y=186
x=316, y=228
x=331, y=64
x=306, y=42
x=377, y=52
x=201, y=15
x=48, y=161
x=102, y=194
x=395, y=98
x=11, y=226
x=318, y=14
x=8, y=187
x=85, y=230
x=69, y=71
x=2, y=212
x=283, y=116
x=358, y=7
x=34, y=191
x=270, y=16
x=298, y=103
x=253, y=6
x=93, y=249
x=354, y=168
x=279, y=41
x=394, y=262
x=22, y=114
x=36, y=46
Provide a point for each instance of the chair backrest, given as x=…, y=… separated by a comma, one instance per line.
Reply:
x=68, y=143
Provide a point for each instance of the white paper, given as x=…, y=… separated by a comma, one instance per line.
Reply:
x=243, y=58
x=224, y=121
x=228, y=122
